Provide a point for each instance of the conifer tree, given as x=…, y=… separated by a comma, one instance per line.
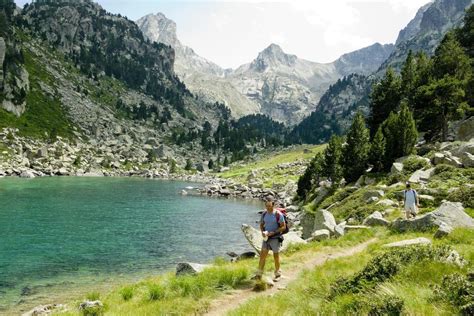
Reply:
x=332, y=160
x=377, y=151
x=210, y=164
x=356, y=152
x=384, y=99
x=311, y=176
x=226, y=161
x=189, y=165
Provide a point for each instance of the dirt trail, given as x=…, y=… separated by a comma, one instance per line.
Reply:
x=230, y=302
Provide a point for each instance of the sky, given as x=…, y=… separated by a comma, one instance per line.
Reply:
x=232, y=33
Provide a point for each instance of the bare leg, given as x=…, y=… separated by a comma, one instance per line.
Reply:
x=263, y=257
x=276, y=257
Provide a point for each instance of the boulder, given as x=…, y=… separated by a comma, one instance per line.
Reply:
x=322, y=192
x=364, y=180
x=467, y=160
x=371, y=200
x=320, y=234
x=448, y=213
x=27, y=174
x=397, y=167
x=186, y=268
x=446, y=158
x=224, y=192
x=373, y=193
x=455, y=258
x=340, y=229
x=293, y=209
x=376, y=219
x=356, y=227
x=409, y=242
x=421, y=176
x=443, y=230
x=91, y=305
x=466, y=129
x=387, y=202
x=45, y=310
x=247, y=255
x=324, y=219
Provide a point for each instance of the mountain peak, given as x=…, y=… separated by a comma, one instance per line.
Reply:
x=272, y=56
x=158, y=28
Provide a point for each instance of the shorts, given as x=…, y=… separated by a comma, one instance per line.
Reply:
x=273, y=244
x=412, y=209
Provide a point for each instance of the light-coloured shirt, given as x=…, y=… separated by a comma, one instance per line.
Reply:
x=410, y=197
x=269, y=221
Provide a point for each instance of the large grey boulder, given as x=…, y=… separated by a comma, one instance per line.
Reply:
x=322, y=192
x=340, y=229
x=27, y=174
x=255, y=239
x=324, y=219
x=91, y=305
x=466, y=129
x=320, y=234
x=397, y=167
x=189, y=268
x=420, y=176
x=409, y=242
x=447, y=158
x=467, y=160
x=443, y=230
x=373, y=193
x=376, y=219
x=449, y=213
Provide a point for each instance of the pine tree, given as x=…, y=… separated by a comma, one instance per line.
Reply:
x=356, y=152
x=409, y=78
x=332, y=160
x=384, y=99
x=210, y=164
x=465, y=34
x=311, y=176
x=377, y=151
x=226, y=161
x=189, y=165
x=391, y=134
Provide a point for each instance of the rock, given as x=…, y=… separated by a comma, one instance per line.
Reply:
x=320, y=234
x=373, y=193
x=339, y=230
x=467, y=160
x=455, y=258
x=448, y=213
x=63, y=172
x=324, y=219
x=224, y=192
x=322, y=193
x=356, y=227
x=466, y=129
x=446, y=158
x=410, y=242
x=186, y=268
x=387, y=202
x=247, y=255
x=91, y=305
x=371, y=200
x=27, y=174
x=443, y=230
x=425, y=197
x=421, y=176
x=364, y=180
x=376, y=219
x=184, y=192
x=45, y=310
x=397, y=167
x=293, y=209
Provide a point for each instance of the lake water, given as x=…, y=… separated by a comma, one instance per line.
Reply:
x=64, y=236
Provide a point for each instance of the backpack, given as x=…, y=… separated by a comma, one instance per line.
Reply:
x=280, y=212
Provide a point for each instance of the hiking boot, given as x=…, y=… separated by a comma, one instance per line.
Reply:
x=277, y=276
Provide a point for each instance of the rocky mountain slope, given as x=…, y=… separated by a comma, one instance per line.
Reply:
x=277, y=84
x=203, y=77
x=423, y=33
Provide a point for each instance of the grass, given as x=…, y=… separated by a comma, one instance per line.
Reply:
x=412, y=285
x=188, y=295
x=268, y=166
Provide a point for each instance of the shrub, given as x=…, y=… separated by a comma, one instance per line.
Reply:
x=458, y=290
x=156, y=292
x=384, y=266
x=127, y=293
x=463, y=194
x=413, y=163
x=387, y=305
x=93, y=296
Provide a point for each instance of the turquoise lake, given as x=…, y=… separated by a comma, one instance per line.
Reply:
x=61, y=237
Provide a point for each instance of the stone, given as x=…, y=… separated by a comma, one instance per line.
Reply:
x=397, y=167
x=247, y=255
x=324, y=219
x=356, y=227
x=387, y=202
x=409, y=242
x=322, y=193
x=45, y=310
x=320, y=234
x=420, y=176
x=371, y=200
x=373, y=193
x=90, y=305
x=466, y=129
x=364, y=180
x=27, y=174
x=449, y=213
x=455, y=258
x=63, y=172
x=376, y=219
x=446, y=158
x=443, y=231
x=224, y=192
x=293, y=209
x=187, y=268
x=340, y=229
x=467, y=160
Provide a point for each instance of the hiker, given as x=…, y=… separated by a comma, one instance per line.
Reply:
x=411, y=202
x=272, y=226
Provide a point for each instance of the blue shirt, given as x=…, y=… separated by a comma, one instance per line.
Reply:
x=269, y=221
